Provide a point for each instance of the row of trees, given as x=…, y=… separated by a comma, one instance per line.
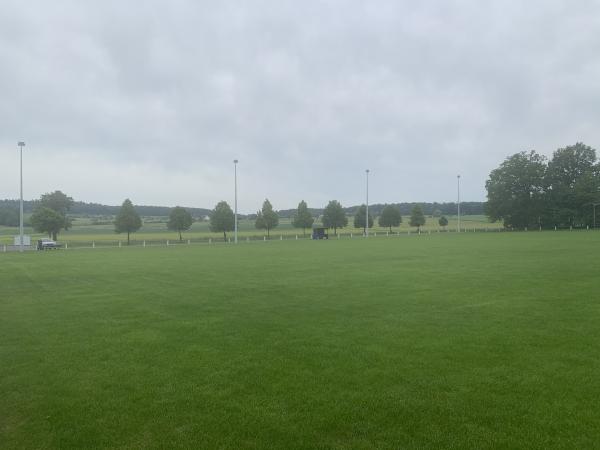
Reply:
x=51, y=217
x=527, y=190
x=129, y=221
x=334, y=216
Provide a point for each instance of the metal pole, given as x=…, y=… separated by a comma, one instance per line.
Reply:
x=235, y=233
x=367, y=211
x=21, y=145
x=458, y=184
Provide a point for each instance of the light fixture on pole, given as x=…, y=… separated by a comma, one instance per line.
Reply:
x=458, y=185
x=21, y=144
x=367, y=210
x=235, y=232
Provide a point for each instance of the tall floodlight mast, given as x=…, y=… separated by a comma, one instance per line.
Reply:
x=235, y=232
x=458, y=202
x=367, y=211
x=21, y=144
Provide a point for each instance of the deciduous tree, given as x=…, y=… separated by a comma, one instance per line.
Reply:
x=443, y=221
x=60, y=203
x=46, y=220
x=359, y=219
x=266, y=218
x=303, y=218
x=57, y=201
x=417, y=218
x=516, y=190
x=571, y=185
x=390, y=217
x=334, y=216
x=179, y=220
x=127, y=220
x=222, y=219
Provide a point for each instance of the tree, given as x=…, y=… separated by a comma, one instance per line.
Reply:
x=222, y=219
x=515, y=190
x=266, y=218
x=303, y=218
x=417, y=218
x=46, y=220
x=571, y=185
x=259, y=222
x=57, y=201
x=390, y=217
x=443, y=221
x=60, y=203
x=127, y=220
x=359, y=219
x=334, y=216
x=179, y=220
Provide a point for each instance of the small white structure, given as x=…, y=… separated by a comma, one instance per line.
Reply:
x=26, y=240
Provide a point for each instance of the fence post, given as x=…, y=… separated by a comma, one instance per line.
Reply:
x=189, y=242
x=350, y=235
x=281, y=237
x=119, y=244
x=210, y=240
x=296, y=237
x=264, y=238
x=4, y=248
x=167, y=242
x=229, y=240
x=144, y=243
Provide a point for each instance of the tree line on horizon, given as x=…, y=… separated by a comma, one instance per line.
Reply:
x=50, y=216
x=9, y=210
x=528, y=190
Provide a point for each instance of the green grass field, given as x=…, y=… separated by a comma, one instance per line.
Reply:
x=473, y=341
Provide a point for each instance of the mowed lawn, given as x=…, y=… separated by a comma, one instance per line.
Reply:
x=471, y=341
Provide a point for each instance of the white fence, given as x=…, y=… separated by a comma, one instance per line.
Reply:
x=75, y=245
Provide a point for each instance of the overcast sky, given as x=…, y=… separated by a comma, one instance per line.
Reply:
x=153, y=102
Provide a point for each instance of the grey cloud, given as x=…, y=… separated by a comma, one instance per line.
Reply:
x=305, y=94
